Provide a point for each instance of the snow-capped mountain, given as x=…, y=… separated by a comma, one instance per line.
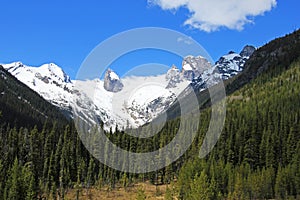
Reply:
x=138, y=101
x=129, y=101
x=173, y=76
x=193, y=67
x=226, y=67
x=49, y=80
x=233, y=63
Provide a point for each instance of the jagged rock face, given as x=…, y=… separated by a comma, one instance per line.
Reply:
x=112, y=82
x=247, y=51
x=194, y=66
x=226, y=67
x=173, y=76
x=188, y=74
x=231, y=64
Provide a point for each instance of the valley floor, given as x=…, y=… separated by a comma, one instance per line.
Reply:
x=131, y=193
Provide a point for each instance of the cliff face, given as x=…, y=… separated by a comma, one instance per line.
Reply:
x=112, y=82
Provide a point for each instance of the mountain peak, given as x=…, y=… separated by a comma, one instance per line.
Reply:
x=112, y=82
x=247, y=51
x=194, y=66
x=173, y=76
x=112, y=74
x=174, y=67
x=54, y=70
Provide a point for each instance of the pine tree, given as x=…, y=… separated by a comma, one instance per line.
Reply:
x=296, y=168
x=200, y=187
x=239, y=188
x=34, y=154
x=14, y=187
x=31, y=192
x=89, y=178
x=281, y=184
x=124, y=181
x=53, y=190
x=267, y=183
x=2, y=177
x=291, y=145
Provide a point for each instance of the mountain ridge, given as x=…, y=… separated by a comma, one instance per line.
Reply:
x=63, y=92
x=21, y=106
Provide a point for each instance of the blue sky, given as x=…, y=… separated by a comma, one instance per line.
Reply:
x=64, y=32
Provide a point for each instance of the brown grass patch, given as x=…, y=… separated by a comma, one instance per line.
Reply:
x=152, y=192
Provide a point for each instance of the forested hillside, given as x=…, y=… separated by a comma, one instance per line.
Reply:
x=257, y=156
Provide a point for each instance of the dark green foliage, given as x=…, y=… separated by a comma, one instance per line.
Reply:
x=259, y=145
x=13, y=187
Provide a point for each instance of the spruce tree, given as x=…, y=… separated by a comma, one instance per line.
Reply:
x=14, y=187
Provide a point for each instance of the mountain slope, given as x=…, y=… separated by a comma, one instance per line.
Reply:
x=260, y=143
x=21, y=106
x=274, y=57
x=258, y=151
x=49, y=80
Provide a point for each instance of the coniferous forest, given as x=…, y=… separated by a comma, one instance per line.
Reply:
x=256, y=157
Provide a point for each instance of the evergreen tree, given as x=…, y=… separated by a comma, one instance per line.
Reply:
x=200, y=187
x=14, y=184
x=31, y=189
x=281, y=184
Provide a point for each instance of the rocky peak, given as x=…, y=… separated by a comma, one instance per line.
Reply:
x=194, y=66
x=173, y=76
x=112, y=82
x=247, y=51
x=232, y=63
x=54, y=72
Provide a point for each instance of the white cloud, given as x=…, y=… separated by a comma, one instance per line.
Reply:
x=210, y=15
x=186, y=40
